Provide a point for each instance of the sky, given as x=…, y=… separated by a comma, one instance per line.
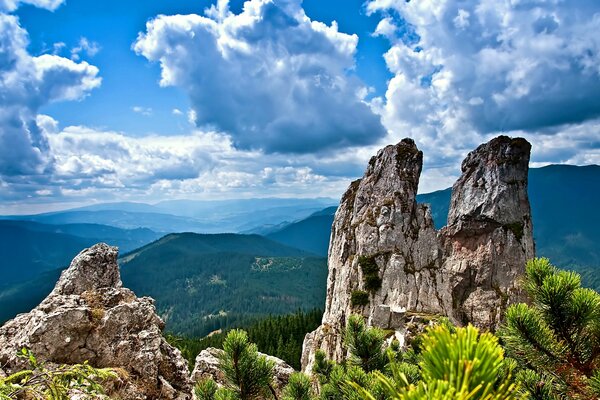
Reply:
x=160, y=99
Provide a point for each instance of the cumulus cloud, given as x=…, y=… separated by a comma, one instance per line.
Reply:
x=467, y=70
x=26, y=84
x=108, y=165
x=269, y=76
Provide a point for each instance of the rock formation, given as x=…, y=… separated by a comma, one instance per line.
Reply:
x=388, y=262
x=207, y=366
x=89, y=316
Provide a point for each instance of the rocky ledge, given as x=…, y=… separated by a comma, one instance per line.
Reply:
x=89, y=316
x=388, y=263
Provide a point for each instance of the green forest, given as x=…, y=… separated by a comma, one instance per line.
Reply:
x=280, y=336
x=205, y=283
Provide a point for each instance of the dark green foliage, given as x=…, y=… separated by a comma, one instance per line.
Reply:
x=56, y=383
x=370, y=273
x=203, y=283
x=206, y=389
x=365, y=344
x=248, y=374
x=557, y=338
x=338, y=386
x=516, y=228
x=279, y=336
x=359, y=298
x=299, y=387
x=322, y=367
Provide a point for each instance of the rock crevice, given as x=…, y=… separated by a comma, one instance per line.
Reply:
x=467, y=271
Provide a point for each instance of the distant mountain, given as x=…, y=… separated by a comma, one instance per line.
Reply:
x=439, y=202
x=28, y=248
x=310, y=234
x=206, y=282
x=16, y=298
x=187, y=215
x=121, y=219
x=565, y=202
x=125, y=239
x=26, y=253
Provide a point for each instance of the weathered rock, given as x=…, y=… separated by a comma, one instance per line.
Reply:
x=384, y=245
x=207, y=366
x=89, y=316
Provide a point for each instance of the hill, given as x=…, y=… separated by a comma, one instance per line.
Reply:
x=203, y=283
x=21, y=297
x=26, y=253
x=310, y=234
x=28, y=248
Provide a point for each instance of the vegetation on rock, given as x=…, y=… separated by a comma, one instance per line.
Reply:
x=57, y=383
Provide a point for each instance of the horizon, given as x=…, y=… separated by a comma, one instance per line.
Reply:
x=206, y=99
x=60, y=207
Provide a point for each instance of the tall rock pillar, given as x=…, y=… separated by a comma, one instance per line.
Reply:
x=388, y=263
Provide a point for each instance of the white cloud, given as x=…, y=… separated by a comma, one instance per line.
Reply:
x=86, y=46
x=146, y=111
x=177, y=111
x=11, y=5
x=269, y=76
x=107, y=165
x=26, y=84
x=471, y=69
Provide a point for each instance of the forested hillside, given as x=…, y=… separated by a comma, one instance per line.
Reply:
x=202, y=283
x=280, y=336
x=310, y=234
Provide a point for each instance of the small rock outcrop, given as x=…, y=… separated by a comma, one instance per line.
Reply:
x=388, y=262
x=207, y=366
x=89, y=316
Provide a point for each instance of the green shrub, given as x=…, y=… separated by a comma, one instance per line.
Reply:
x=370, y=271
x=556, y=337
x=359, y=298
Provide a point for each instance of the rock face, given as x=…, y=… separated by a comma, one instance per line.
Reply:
x=388, y=263
x=207, y=366
x=90, y=316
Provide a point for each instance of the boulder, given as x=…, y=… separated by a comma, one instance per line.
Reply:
x=90, y=317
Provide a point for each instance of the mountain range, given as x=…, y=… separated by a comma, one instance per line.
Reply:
x=205, y=282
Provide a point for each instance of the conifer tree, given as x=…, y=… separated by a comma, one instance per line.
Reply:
x=365, y=344
x=557, y=336
x=248, y=374
x=299, y=387
x=455, y=365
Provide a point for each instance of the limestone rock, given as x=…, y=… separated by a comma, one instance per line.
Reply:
x=207, y=366
x=89, y=316
x=384, y=246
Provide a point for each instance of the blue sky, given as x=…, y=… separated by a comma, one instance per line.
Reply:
x=156, y=99
x=129, y=81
